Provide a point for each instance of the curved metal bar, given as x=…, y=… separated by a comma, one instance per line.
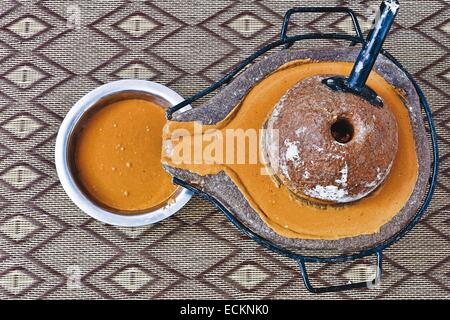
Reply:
x=290, y=12
x=344, y=287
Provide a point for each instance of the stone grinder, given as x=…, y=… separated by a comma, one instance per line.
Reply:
x=222, y=190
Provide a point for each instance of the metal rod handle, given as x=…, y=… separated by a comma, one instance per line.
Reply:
x=369, y=54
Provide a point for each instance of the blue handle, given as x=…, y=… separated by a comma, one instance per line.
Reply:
x=369, y=53
x=345, y=287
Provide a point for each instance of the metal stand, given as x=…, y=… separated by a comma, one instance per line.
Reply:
x=287, y=41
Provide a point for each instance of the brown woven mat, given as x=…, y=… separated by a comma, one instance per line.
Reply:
x=53, y=52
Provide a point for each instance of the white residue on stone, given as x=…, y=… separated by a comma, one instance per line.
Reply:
x=300, y=131
x=284, y=168
x=319, y=149
x=331, y=193
x=292, y=153
x=380, y=177
x=361, y=133
x=337, y=157
x=344, y=176
x=375, y=182
x=306, y=174
x=338, y=193
x=379, y=174
x=372, y=184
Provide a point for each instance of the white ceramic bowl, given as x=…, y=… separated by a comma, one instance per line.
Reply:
x=97, y=98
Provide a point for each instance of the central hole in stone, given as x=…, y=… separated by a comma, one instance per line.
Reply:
x=342, y=130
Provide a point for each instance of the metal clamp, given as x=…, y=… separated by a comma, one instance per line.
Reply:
x=290, y=12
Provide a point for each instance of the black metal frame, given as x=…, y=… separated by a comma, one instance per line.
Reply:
x=288, y=41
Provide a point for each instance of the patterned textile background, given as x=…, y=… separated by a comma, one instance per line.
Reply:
x=53, y=52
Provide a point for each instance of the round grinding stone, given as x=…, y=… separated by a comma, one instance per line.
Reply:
x=330, y=146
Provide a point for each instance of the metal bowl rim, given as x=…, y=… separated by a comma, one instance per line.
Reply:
x=62, y=154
